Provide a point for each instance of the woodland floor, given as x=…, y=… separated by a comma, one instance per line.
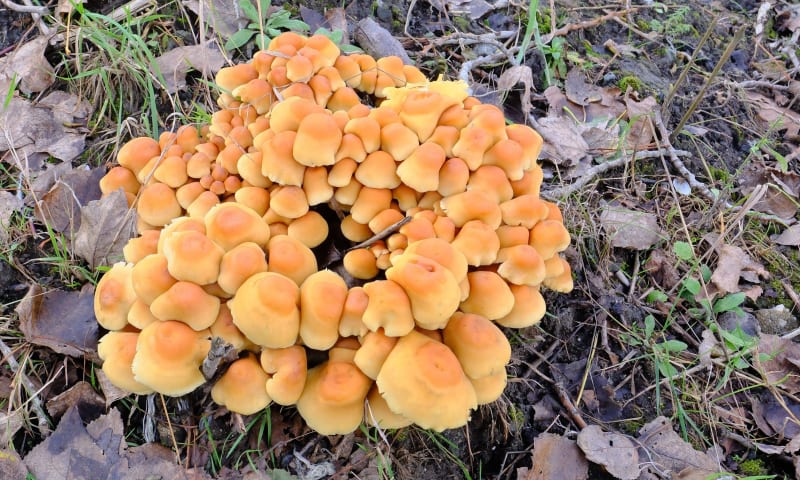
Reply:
x=672, y=148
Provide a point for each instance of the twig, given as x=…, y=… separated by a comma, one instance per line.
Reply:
x=25, y=8
x=30, y=388
x=466, y=67
x=571, y=27
x=381, y=235
x=572, y=410
x=589, y=175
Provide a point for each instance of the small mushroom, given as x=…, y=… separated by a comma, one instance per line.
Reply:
x=117, y=350
x=288, y=369
x=241, y=388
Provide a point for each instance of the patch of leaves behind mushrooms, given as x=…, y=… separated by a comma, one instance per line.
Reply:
x=427, y=199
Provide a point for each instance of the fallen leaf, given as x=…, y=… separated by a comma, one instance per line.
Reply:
x=782, y=193
x=563, y=143
x=777, y=117
x=377, y=41
x=11, y=465
x=640, y=133
x=60, y=207
x=28, y=67
x=60, y=320
x=617, y=453
x=630, y=228
x=781, y=362
x=661, y=266
x=556, y=458
x=50, y=126
x=81, y=395
x=111, y=392
x=9, y=203
x=734, y=263
x=474, y=9
x=106, y=226
x=99, y=450
x=10, y=423
x=789, y=237
x=176, y=63
x=668, y=453
x=578, y=90
x=513, y=76
x=225, y=17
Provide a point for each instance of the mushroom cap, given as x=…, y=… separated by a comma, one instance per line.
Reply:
x=288, y=369
x=377, y=412
x=241, y=388
x=420, y=170
x=489, y=295
x=388, y=308
x=472, y=205
x=180, y=224
x=549, y=237
x=375, y=347
x=370, y=202
x=114, y=297
x=423, y=381
x=229, y=78
x=525, y=210
x=481, y=347
x=157, y=204
x=378, y=170
x=119, y=177
x=489, y=388
x=224, y=328
x=316, y=186
x=332, y=401
x=311, y=229
x=318, y=139
x=562, y=283
x=493, y=181
x=168, y=358
x=398, y=140
x=135, y=154
x=360, y=264
x=478, y=242
x=351, y=323
x=140, y=316
x=240, y=263
x=289, y=201
x=529, y=308
x=288, y=256
x=277, y=162
x=192, y=257
x=230, y=224
x=117, y=350
x=521, y=264
x=431, y=288
x=139, y=247
x=150, y=278
x=443, y=253
x=266, y=310
x=322, y=298
x=453, y=177
x=187, y=302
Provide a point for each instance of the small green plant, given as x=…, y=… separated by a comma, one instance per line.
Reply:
x=263, y=25
x=676, y=24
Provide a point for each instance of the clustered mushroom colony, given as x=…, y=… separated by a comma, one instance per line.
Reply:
x=229, y=215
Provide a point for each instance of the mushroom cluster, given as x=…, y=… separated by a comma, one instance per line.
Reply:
x=436, y=196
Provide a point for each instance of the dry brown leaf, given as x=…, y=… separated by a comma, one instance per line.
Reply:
x=733, y=263
x=630, y=228
x=640, y=133
x=556, y=458
x=49, y=126
x=9, y=203
x=62, y=321
x=106, y=226
x=511, y=77
x=82, y=395
x=617, y=453
x=11, y=465
x=668, y=453
x=99, y=450
x=474, y=9
x=60, y=207
x=563, y=143
x=176, y=63
x=790, y=236
x=377, y=41
x=782, y=362
x=661, y=266
x=775, y=115
x=10, y=423
x=27, y=66
x=579, y=91
x=781, y=196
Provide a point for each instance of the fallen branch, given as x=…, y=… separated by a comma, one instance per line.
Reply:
x=24, y=8
x=590, y=174
x=571, y=27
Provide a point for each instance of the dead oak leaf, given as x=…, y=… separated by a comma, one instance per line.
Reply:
x=789, y=237
x=781, y=362
x=60, y=320
x=616, y=452
x=556, y=458
x=563, y=143
x=106, y=226
x=28, y=67
x=668, y=453
x=775, y=115
x=176, y=63
x=733, y=263
x=630, y=228
x=60, y=207
x=52, y=126
x=513, y=76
